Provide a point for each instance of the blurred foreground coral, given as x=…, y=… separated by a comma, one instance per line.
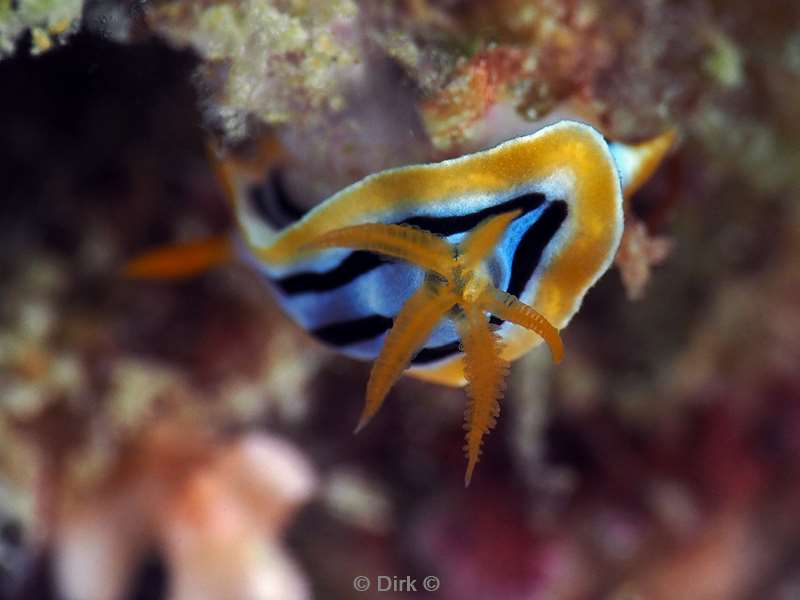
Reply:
x=215, y=511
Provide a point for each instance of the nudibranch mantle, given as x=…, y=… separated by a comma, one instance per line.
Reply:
x=562, y=179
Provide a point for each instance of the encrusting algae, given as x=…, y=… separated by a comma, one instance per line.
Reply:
x=50, y=22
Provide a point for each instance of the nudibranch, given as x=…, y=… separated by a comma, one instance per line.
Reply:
x=446, y=271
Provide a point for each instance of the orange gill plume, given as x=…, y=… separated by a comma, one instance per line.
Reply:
x=458, y=287
x=412, y=326
x=486, y=372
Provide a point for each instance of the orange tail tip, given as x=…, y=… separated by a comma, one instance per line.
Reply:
x=649, y=155
x=181, y=260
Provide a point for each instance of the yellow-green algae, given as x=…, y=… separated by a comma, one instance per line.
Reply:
x=280, y=59
x=50, y=21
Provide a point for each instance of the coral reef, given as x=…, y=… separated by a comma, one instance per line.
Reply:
x=282, y=60
x=172, y=430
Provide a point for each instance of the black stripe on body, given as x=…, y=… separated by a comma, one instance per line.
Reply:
x=270, y=201
x=531, y=246
x=526, y=259
x=445, y=226
x=347, y=333
x=258, y=198
x=295, y=213
x=435, y=353
x=529, y=251
x=359, y=262
x=356, y=264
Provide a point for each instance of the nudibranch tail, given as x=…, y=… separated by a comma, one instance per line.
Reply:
x=410, y=244
x=412, y=326
x=486, y=373
x=636, y=163
x=509, y=308
x=483, y=239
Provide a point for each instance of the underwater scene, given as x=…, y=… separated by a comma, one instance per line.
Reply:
x=364, y=299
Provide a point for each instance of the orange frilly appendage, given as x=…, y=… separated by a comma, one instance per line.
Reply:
x=484, y=238
x=486, y=373
x=412, y=326
x=509, y=308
